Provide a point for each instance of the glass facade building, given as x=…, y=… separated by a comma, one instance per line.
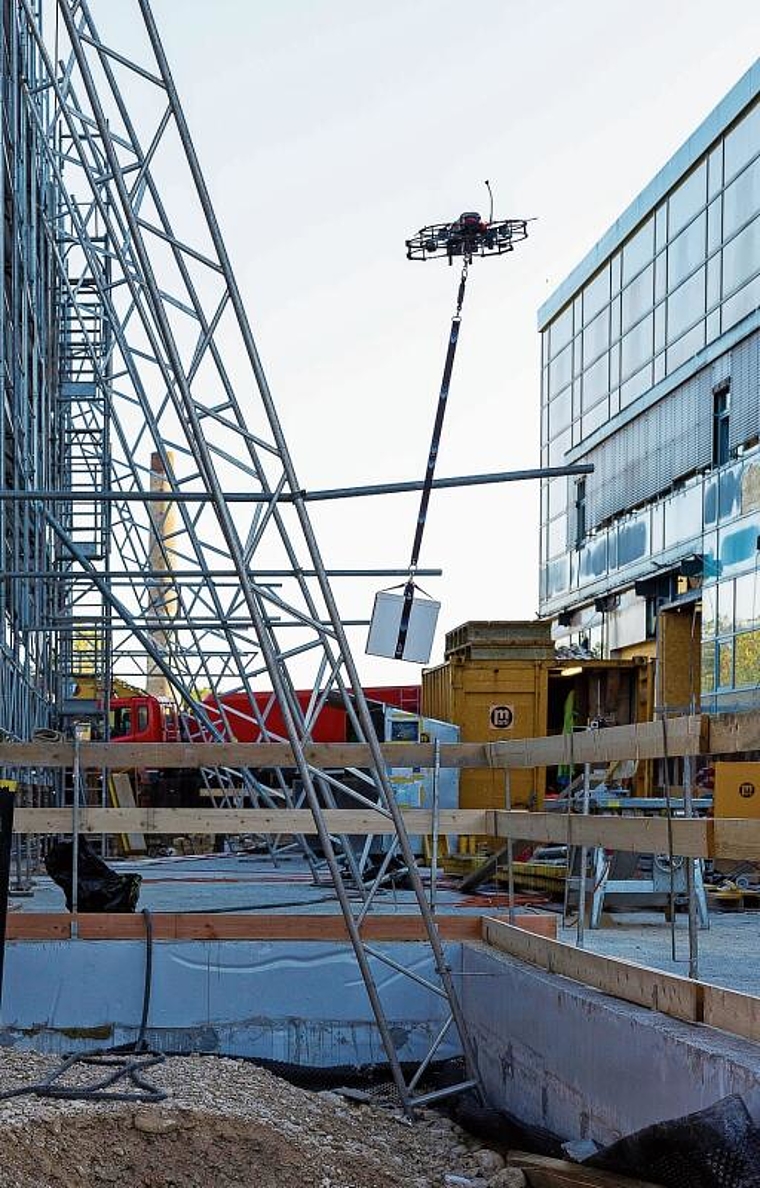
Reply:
x=651, y=371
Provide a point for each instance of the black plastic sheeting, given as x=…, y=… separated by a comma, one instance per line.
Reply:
x=716, y=1148
x=99, y=889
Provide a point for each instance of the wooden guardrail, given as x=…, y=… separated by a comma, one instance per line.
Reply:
x=680, y=997
x=647, y=740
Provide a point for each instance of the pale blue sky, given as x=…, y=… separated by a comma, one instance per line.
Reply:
x=331, y=131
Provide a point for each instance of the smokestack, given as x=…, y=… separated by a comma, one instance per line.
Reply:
x=162, y=591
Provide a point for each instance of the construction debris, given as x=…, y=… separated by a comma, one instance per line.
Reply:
x=230, y=1123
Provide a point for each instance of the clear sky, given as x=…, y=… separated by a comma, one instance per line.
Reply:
x=330, y=131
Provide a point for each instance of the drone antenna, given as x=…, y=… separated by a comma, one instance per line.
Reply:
x=490, y=195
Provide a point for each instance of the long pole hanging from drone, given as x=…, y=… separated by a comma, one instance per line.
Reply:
x=427, y=488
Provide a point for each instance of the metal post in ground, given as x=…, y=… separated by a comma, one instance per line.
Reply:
x=688, y=766
x=436, y=822
x=510, y=848
x=580, y=933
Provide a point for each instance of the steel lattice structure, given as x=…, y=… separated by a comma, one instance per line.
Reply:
x=155, y=403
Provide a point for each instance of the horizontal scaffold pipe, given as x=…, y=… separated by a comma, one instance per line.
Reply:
x=683, y=736
x=78, y=495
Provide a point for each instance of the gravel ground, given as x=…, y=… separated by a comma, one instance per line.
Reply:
x=228, y=1124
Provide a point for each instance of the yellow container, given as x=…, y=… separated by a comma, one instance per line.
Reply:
x=491, y=701
x=737, y=790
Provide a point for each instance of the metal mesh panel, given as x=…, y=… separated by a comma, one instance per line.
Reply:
x=744, y=421
x=649, y=454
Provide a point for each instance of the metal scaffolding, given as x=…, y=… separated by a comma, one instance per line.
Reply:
x=131, y=376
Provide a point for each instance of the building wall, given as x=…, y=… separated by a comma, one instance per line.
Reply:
x=651, y=371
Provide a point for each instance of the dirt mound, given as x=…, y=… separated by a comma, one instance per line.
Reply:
x=226, y=1124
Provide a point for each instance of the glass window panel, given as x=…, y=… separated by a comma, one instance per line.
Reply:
x=560, y=412
x=741, y=257
x=686, y=347
x=747, y=659
x=659, y=327
x=557, y=576
x=685, y=201
x=742, y=303
x=725, y=621
x=683, y=515
x=545, y=347
x=595, y=382
x=661, y=227
x=615, y=267
x=686, y=252
x=714, y=230
x=561, y=330
x=738, y=544
x=638, y=251
x=557, y=536
x=747, y=601
x=578, y=356
x=660, y=276
x=708, y=667
x=637, y=297
x=715, y=170
x=596, y=336
x=637, y=346
x=577, y=313
x=560, y=371
x=741, y=200
x=743, y=143
x=713, y=281
x=686, y=305
x=592, y=420
x=596, y=294
x=725, y=663
x=557, y=495
x=659, y=368
x=633, y=388
x=633, y=539
x=615, y=318
x=615, y=365
x=730, y=491
x=709, y=610
x=558, y=448
x=713, y=325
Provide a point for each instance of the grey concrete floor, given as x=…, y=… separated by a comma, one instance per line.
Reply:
x=729, y=951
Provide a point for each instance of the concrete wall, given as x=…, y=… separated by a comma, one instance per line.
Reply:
x=560, y=1055
x=301, y=1002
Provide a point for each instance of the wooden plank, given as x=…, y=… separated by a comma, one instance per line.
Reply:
x=122, y=796
x=636, y=835
x=38, y=926
x=684, y=736
x=731, y=1011
x=363, y=822
x=736, y=838
x=673, y=995
x=732, y=734
x=542, y=1172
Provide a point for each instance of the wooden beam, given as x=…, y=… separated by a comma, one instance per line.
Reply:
x=685, y=736
x=636, y=835
x=542, y=1172
x=672, y=995
x=173, y=926
x=647, y=740
x=363, y=822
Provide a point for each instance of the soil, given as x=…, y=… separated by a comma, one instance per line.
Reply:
x=226, y=1124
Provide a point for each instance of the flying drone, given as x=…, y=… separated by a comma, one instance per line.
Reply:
x=469, y=235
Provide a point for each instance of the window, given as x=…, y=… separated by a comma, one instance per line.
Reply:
x=687, y=200
x=741, y=144
x=142, y=719
x=638, y=251
x=721, y=405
